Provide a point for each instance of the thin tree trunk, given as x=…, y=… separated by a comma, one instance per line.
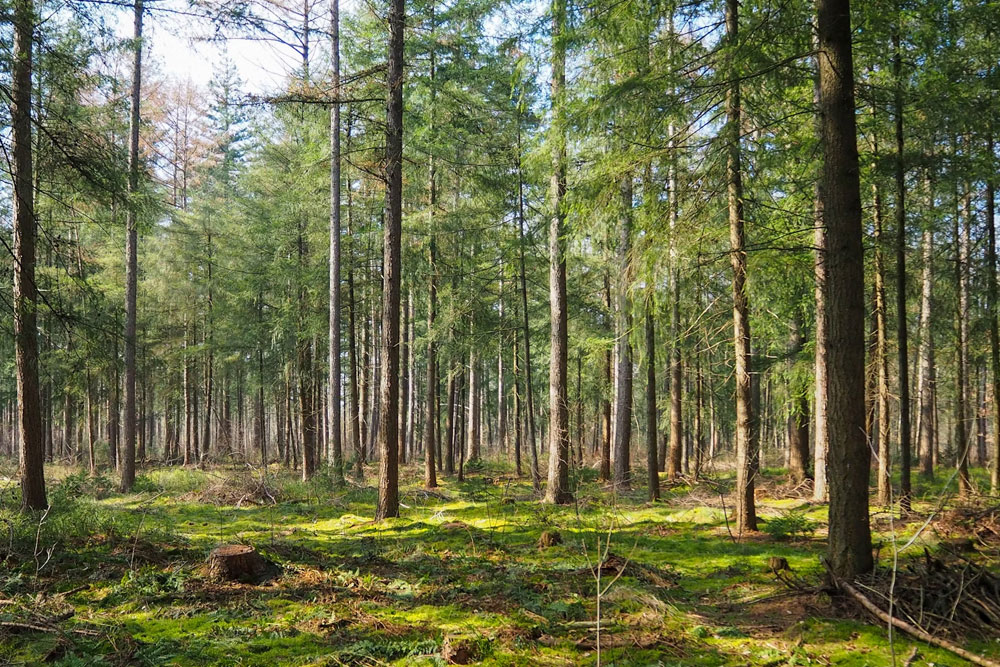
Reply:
x=902, y=343
x=623, y=326
x=651, y=466
x=925, y=379
x=131, y=258
x=881, y=361
x=558, y=482
x=335, y=392
x=962, y=441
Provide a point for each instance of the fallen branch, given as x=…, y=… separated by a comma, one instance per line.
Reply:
x=909, y=629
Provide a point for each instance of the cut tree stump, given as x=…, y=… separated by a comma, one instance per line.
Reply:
x=237, y=562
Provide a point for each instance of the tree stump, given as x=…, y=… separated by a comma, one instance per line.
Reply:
x=236, y=562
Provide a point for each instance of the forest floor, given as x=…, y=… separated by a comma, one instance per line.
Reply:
x=111, y=579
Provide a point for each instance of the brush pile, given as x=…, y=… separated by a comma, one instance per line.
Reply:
x=957, y=598
x=251, y=488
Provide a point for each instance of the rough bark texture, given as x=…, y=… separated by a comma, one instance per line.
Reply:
x=881, y=360
x=388, y=487
x=746, y=430
x=557, y=490
x=131, y=257
x=236, y=562
x=29, y=414
x=848, y=457
x=821, y=445
x=991, y=258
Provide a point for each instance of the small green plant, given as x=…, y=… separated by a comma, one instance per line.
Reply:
x=793, y=524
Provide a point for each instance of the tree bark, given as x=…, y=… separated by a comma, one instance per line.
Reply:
x=651, y=466
x=388, y=487
x=902, y=342
x=335, y=392
x=848, y=456
x=29, y=415
x=925, y=379
x=557, y=490
x=747, y=445
x=623, y=325
x=962, y=441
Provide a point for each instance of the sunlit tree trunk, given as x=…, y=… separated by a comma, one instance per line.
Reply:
x=746, y=428
x=388, y=487
x=557, y=490
x=29, y=415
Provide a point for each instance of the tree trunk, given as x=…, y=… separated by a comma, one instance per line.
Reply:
x=388, y=486
x=821, y=444
x=335, y=391
x=29, y=415
x=881, y=360
x=558, y=482
x=131, y=258
x=902, y=343
x=747, y=444
x=651, y=466
x=962, y=440
x=925, y=379
x=993, y=305
x=848, y=456
x=623, y=326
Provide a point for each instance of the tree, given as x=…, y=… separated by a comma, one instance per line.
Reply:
x=388, y=484
x=746, y=428
x=848, y=458
x=131, y=257
x=29, y=416
x=557, y=490
x=335, y=392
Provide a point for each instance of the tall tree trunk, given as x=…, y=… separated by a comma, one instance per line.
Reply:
x=404, y=378
x=388, y=487
x=798, y=418
x=605, y=463
x=472, y=427
x=529, y=391
x=962, y=440
x=451, y=420
x=131, y=257
x=623, y=326
x=848, y=456
x=747, y=444
x=993, y=304
x=902, y=343
x=651, y=466
x=557, y=490
x=925, y=379
x=821, y=440
x=335, y=392
x=881, y=360
x=29, y=414
x=518, y=426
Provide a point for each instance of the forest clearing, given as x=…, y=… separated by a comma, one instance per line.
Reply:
x=499, y=331
x=462, y=577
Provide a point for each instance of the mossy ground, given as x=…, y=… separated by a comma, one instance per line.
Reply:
x=462, y=564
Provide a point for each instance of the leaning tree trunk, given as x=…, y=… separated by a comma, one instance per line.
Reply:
x=558, y=482
x=848, y=456
x=746, y=428
x=388, y=486
x=29, y=414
